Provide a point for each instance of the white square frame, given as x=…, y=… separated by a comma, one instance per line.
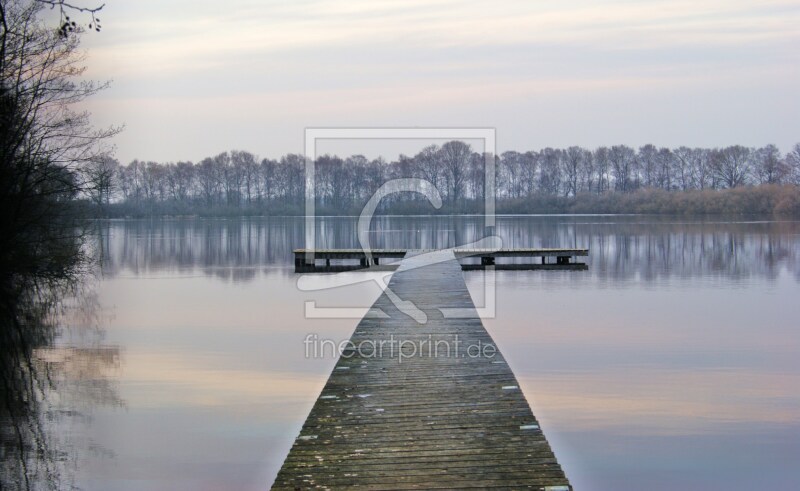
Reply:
x=313, y=134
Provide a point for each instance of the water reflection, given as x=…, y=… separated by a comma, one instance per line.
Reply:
x=54, y=370
x=662, y=367
x=621, y=247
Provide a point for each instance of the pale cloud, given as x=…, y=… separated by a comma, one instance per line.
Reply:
x=164, y=44
x=300, y=63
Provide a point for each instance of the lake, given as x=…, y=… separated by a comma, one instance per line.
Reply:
x=672, y=363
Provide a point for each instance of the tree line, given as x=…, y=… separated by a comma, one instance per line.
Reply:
x=239, y=182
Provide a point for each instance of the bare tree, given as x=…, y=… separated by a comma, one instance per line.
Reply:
x=292, y=170
x=182, y=179
x=44, y=142
x=550, y=171
x=647, y=165
x=246, y=168
x=155, y=182
x=793, y=165
x=769, y=168
x=702, y=170
x=683, y=167
x=455, y=158
x=665, y=161
x=622, y=160
x=529, y=163
x=100, y=177
x=510, y=174
x=208, y=180
x=476, y=174
x=268, y=174
x=732, y=165
x=427, y=165
x=602, y=168
x=573, y=163
x=375, y=175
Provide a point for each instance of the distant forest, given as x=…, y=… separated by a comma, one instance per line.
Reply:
x=616, y=179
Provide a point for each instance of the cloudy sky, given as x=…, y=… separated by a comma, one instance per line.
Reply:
x=193, y=78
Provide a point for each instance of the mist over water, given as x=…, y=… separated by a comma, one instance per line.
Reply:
x=671, y=363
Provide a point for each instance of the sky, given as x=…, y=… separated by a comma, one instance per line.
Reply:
x=194, y=78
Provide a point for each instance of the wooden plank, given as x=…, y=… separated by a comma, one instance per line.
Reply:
x=413, y=405
x=528, y=267
x=343, y=268
x=459, y=252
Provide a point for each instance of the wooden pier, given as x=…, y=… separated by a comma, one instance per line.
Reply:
x=428, y=405
x=535, y=259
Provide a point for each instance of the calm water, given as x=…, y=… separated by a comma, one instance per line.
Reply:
x=673, y=363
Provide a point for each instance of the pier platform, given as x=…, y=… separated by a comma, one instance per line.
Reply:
x=340, y=260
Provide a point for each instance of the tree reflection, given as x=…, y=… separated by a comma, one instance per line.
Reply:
x=53, y=370
x=621, y=248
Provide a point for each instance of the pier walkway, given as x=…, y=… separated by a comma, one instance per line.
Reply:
x=429, y=405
